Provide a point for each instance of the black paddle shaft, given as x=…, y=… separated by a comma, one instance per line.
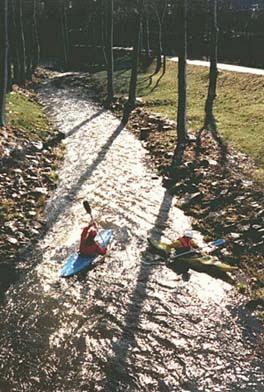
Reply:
x=87, y=207
x=89, y=211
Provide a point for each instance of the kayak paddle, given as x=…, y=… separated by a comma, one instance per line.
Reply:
x=216, y=243
x=88, y=209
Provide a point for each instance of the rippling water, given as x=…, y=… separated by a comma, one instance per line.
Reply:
x=129, y=324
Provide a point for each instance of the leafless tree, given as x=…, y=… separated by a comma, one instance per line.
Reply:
x=3, y=59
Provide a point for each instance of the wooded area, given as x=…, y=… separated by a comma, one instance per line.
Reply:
x=80, y=34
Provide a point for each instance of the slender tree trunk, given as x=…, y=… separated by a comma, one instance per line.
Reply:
x=32, y=43
x=9, y=68
x=14, y=46
x=35, y=34
x=3, y=60
x=109, y=49
x=134, y=72
x=29, y=46
x=21, y=44
x=160, y=20
x=164, y=65
x=211, y=94
x=103, y=29
x=9, y=61
x=146, y=35
x=64, y=33
x=182, y=98
x=131, y=103
x=159, y=45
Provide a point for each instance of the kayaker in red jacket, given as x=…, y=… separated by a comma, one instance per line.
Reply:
x=185, y=243
x=88, y=245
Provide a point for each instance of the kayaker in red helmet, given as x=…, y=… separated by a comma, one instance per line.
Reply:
x=184, y=243
x=88, y=245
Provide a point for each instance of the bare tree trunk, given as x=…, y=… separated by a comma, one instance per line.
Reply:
x=164, y=67
x=211, y=94
x=109, y=50
x=159, y=45
x=146, y=35
x=32, y=46
x=160, y=20
x=64, y=33
x=36, y=46
x=103, y=29
x=182, y=136
x=21, y=44
x=14, y=43
x=3, y=60
x=9, y=67
x=131, y=103
x=32, y=42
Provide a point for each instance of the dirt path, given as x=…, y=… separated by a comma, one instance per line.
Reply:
x=130, y=324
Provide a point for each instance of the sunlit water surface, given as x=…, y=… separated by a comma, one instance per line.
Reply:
x=131, y=323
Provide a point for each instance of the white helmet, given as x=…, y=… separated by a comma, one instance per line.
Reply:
x=188, y=233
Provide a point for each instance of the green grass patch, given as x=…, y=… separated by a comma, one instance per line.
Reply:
x=239, y=106
x=27, y=115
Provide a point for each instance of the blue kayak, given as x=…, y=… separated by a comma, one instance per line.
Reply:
x=76, y=263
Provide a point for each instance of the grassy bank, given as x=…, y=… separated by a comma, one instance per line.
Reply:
x=239, y=106
x=29, y=159
x=25, y=114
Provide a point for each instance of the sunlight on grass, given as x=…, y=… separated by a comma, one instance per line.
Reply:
x=27, y=115
x=239, y=106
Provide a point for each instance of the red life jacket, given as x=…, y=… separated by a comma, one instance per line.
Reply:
x=185, y=244
x=88, y=246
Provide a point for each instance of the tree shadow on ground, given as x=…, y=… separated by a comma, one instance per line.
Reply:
x=117, y=367
x=158, y=81
x=251, y=334
x=77, y=127
x=62, y=203
x=211, y=128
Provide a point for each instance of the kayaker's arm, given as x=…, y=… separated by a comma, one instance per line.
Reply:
x=194, y=245
x=175, y=245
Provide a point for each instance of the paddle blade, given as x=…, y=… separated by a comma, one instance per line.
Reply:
x=219, y=242
x=87, y=207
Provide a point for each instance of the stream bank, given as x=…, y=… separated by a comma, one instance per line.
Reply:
x=28, y=166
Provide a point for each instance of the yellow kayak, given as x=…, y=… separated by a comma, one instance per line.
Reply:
x=201, y=262
x=206, y=261
x=160, y=246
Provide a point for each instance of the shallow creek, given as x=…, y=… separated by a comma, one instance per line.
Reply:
x=131, y=323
